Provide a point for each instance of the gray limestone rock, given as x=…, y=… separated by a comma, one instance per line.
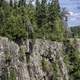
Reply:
x=34, y=60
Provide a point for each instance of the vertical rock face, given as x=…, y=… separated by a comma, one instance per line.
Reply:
x=34, y=60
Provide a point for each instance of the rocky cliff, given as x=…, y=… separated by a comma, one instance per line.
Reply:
x=33, y=60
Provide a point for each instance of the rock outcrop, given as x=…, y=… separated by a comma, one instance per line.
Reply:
x=34, y=60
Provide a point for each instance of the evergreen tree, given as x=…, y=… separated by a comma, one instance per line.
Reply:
x=15, y=3
x=43, y=11
x=11, y=3
x=22, y=2
x=54, y=20
x=1, y=2
x=51, y=15
x=38, y=17
x=44, y=19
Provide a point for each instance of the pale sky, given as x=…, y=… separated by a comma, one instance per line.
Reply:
x=73, y=6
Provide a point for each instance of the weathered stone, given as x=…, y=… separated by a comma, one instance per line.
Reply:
x=45, y=61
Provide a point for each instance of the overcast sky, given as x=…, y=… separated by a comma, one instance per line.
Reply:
x=73, y=6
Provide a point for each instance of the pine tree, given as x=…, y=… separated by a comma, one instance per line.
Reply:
x=51, y=16
x=43, y=11
x=40, y=12
x=43, y=18
x=11, y=3
x=54, y=20
x=15, y=3
x=1, y=2
x=22, y=2
x=38, y=18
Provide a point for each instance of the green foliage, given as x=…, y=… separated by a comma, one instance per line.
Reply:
x=48, y=21
x=22, y=2
x=19, y=20
x=11, y=3
x=11, y=24
x=12, y=74
x=75, y=31
x=55, y=70
x=72, y=58
x=46, y=66
x=41, y=13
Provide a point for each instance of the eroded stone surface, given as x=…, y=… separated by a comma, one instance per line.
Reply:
x=34, y=60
